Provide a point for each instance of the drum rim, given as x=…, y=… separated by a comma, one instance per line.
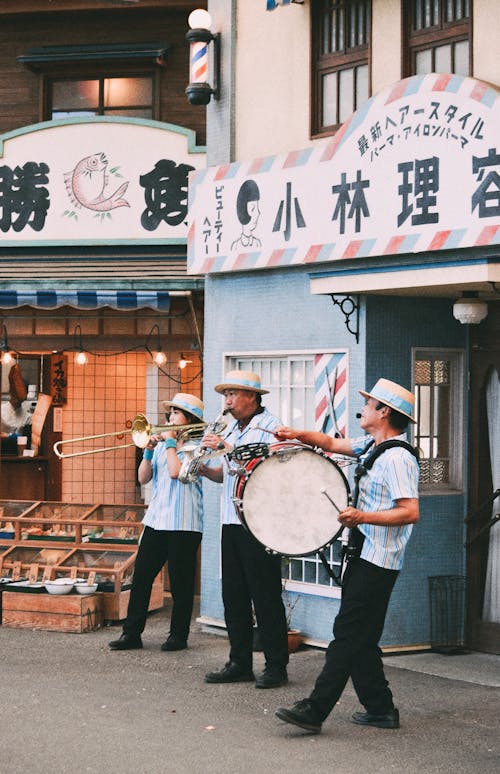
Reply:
x=256, y=461
x=288, y=554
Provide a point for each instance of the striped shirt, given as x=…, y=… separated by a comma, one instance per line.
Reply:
x=173, y=505
x=236, y=437
x=394, y=476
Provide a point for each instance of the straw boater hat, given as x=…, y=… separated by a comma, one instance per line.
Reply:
x=186, y=402
x=241, y=380
x=393, y=395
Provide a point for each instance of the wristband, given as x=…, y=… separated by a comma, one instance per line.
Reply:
x=170, y=443
x=147, y=455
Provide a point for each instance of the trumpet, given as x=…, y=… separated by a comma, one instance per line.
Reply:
x=141, y=431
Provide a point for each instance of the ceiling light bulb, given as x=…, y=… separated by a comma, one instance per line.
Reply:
x=160, y=358
x=81, y=358
x=7, y=358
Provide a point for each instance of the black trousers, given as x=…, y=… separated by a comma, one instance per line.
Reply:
x=251, y=574
x=354, y=651
x=156, y=548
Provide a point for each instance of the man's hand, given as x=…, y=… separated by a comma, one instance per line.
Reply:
x=214, y=442
x=351, y=517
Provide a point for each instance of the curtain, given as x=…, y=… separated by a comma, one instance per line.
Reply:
x=491, y=610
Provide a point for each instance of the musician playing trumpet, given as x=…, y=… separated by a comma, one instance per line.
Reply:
x=250, y=575
x=173, y=525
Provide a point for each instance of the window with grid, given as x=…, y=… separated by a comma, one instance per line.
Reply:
x=119, y=80
x=341, y=39
x=438, y=36
x=132, y=97
x=438, y=433
x=290, y=380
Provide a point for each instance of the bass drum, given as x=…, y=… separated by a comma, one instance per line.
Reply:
x=284, y=499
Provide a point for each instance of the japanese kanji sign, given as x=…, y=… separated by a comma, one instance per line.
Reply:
x=96, y=180
x=417, y=168
x=58, y=379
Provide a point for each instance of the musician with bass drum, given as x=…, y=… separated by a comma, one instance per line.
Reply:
x=380, y=522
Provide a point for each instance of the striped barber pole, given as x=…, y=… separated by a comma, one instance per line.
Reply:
x=199, y=62
x=330, y=389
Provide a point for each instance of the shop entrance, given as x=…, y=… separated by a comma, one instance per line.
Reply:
x=483, y=523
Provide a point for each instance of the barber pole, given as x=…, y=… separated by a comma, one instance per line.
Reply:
x=330, y=391
x=198, y=72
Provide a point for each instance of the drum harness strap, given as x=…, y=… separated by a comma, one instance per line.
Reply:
x=352, y=550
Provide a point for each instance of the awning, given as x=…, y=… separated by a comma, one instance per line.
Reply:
x=444, y=278
x=43, y=55
x=122, y=300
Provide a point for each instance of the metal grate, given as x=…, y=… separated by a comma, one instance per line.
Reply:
x=447, y=613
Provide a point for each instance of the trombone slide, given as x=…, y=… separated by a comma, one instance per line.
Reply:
x=141, y=431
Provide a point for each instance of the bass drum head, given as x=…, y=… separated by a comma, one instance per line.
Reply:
x=283, y=504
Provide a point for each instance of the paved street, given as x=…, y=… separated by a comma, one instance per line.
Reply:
x=68, y=704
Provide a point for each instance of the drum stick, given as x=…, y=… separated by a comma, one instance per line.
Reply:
x=323, y=491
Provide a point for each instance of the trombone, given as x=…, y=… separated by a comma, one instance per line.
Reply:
x=141, y=431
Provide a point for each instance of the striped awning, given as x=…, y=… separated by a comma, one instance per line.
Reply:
x=122, y=300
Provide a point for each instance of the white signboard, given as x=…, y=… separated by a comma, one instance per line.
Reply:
x=89, y=181
x=416, y=169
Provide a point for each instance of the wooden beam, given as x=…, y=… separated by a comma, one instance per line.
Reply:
x=17, y=7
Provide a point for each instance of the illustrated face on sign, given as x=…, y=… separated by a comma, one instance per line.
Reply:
x=248, y=211
x=253, y=212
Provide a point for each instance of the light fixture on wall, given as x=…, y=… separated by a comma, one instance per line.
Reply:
x=199, y=91
x=6, y=355
x=159, y=357
x=469, y=309
x=81, y=356
x=183, y=362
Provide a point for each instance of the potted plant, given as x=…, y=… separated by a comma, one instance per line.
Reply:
x=295, y=638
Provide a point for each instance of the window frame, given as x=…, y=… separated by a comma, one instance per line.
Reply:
x=430, y=38
x=350, y=59
x=98, y=73
x=102, y=109
x=96, y=62
x=456, y=440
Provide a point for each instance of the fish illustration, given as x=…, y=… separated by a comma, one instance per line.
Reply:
x=87, y=182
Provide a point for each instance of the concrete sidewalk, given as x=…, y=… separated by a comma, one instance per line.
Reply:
x=478, y=668
x=69, y=704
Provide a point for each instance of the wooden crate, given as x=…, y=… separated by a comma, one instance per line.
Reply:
x=116, y=602
x=60, y=613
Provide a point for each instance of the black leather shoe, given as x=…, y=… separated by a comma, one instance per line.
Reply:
x=271, y=678
x=231, y=673
x=126, y=642
x=389, y=720
x=174, y=644
x=302, y=714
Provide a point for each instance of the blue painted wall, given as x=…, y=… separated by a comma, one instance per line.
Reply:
x=274, y=310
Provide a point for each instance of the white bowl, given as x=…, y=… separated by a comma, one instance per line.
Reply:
x=86, y=588
x=60, y=586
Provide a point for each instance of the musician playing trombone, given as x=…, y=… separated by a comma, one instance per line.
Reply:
x=173, y=525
